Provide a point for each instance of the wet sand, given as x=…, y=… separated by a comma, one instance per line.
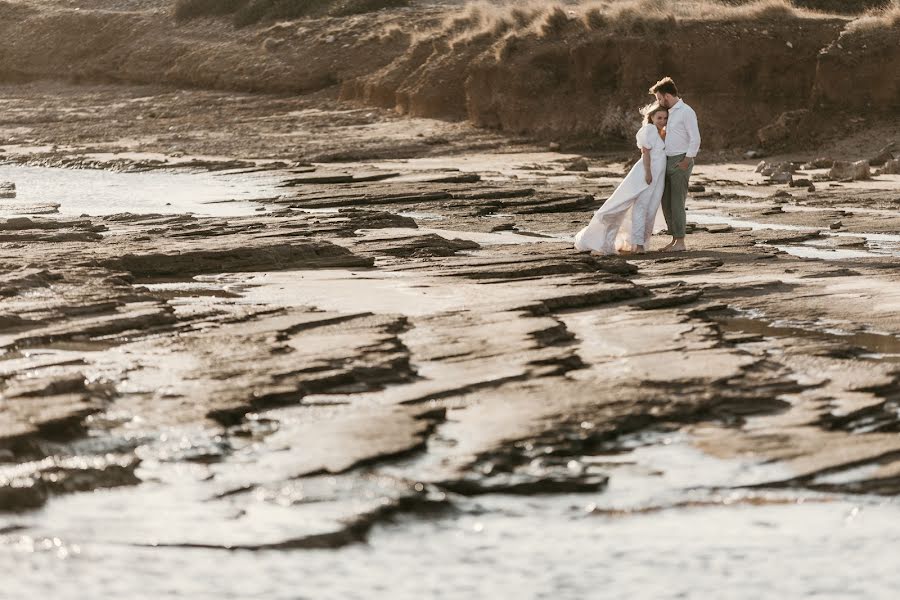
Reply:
x=397, y=362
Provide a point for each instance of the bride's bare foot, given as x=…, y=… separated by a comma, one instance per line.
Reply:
x=639, y=250
x=597, y=253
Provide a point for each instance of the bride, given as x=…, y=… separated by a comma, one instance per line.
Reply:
x=625, y=221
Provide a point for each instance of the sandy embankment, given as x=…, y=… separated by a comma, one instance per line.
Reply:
x=559, y=78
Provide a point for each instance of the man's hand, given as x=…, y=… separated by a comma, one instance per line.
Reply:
x=648, y=178
x=683, y=165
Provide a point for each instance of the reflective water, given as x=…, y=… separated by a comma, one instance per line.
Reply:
x=876, y=244
x=880, y=346
x=652, y=534
x=97, y=192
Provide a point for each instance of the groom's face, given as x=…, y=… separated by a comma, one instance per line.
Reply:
x=663, y=100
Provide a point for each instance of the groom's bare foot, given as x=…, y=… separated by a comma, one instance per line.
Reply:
x=668, y=246
x=678, y=246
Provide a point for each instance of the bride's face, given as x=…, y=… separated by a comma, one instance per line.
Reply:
x=660, y=119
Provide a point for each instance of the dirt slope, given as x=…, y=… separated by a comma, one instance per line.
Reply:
x=563, y=80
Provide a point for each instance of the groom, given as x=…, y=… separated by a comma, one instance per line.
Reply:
x=682, y=145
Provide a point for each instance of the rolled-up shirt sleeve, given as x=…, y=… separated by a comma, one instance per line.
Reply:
x=693, y=130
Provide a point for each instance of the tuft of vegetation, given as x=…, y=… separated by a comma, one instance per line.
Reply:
x=885, y=17
x=553, y=19
x=249, y=12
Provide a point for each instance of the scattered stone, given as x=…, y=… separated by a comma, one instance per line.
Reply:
x=811, y=188
x=7, y=189
x=836, y=225
x=801, y=183
x=772, y=169
x=819, y=163
x=891, y=167
x=579, y=164
x=504, y=227
x=696, y=189
x=782, y=194
x=850, y=171
x=751, y=154
x=781, y=177
x=553, y=147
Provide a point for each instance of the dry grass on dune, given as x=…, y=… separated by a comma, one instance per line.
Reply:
x=549, y=19
x=889, y=16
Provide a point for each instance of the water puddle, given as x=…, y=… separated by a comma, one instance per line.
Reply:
x=877, y=244
x=98, y=192
x=878, y=346
x=811, y=251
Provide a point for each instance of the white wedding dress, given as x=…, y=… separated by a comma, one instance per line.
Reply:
x=628, y=217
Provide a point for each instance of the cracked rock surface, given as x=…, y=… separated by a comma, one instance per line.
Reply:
x=392, y=357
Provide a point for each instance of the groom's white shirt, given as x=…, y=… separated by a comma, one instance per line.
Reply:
x=682, y=131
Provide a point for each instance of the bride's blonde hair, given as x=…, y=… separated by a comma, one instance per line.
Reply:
x=651, y=109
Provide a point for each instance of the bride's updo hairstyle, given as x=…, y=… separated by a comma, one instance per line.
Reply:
x=651, y=109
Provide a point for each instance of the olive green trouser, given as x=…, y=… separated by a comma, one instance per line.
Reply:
x=675, y=194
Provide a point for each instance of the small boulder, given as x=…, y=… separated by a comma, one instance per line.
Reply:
x=801, y=183
x=781, y=177
x=891, y=167
x=850, y=170
x=696, y=189
x=836, y=225
x=770, y=169
x=579, y=164
x=553, y=147
x=819, y=163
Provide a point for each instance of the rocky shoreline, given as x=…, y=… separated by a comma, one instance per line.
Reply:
x=390, y=339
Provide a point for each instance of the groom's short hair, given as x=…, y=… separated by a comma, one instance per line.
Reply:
x=664, y=86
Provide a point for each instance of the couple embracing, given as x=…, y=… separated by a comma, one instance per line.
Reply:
x=669, y=141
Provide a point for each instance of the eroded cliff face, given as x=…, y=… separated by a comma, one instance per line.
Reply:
x=752, y=81
x=737, y=76
x=858, y=70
